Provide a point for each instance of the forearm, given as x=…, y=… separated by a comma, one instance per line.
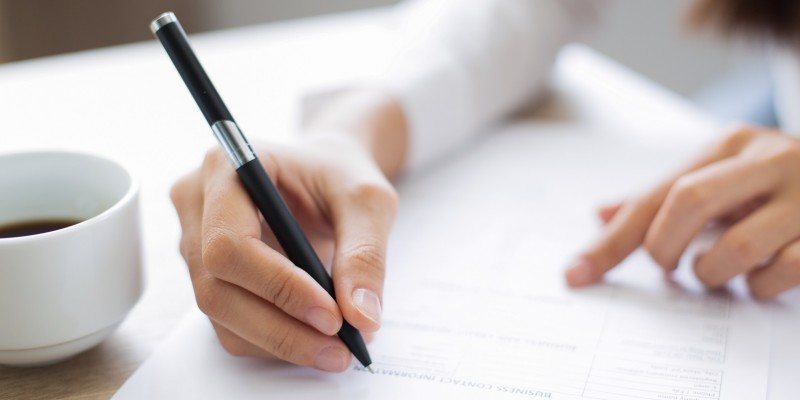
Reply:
x=463, y=66
x=371, y=117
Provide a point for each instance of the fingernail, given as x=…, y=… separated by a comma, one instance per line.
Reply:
x=322, y=320
x=368, y=304
x=580, y=273
x=333, y=359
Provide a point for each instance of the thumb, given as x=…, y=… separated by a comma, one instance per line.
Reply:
x=362, y=221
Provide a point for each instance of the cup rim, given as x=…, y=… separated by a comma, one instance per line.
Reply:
x=132, y=191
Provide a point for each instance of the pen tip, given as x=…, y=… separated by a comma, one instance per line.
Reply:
x=369, y=368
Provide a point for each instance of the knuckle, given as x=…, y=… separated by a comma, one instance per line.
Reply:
x=367, y=257
x=282, y=343
x=214, y=160
x=280, y=289
x=689, y=195
x=219, y=251
x=376, y=194
x=214, y=156
x=365, y=262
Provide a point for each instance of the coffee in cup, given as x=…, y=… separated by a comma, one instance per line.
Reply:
x=70, y=253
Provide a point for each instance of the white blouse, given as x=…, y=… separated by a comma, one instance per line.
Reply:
x=468, y=63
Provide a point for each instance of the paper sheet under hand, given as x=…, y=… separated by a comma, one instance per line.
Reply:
x=476, y=307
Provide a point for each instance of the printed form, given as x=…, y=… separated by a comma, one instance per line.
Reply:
x=475, y=305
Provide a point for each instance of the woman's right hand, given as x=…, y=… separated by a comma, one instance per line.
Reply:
x=258, y=301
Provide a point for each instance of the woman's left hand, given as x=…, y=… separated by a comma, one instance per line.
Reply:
x=751, y=178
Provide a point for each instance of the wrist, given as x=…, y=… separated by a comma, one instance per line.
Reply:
x=370, y=118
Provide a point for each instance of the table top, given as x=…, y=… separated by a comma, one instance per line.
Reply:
x=128, y=102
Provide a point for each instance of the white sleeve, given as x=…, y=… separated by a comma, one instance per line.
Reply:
x=465, y=64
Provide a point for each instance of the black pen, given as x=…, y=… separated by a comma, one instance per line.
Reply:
x=255, y=179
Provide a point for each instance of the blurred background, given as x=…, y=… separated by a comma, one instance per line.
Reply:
x=648, y=36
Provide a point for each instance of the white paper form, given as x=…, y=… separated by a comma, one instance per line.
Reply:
x=475, y=304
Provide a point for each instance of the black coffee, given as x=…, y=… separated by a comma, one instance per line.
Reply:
x=29, y=228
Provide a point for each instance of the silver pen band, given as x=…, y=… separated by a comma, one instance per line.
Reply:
x=234, y=143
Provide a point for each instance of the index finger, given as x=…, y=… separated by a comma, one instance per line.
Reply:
x=627, y=230
x=623, y=234
x=232, y=250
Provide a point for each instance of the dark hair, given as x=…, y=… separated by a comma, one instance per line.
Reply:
x=779, y=19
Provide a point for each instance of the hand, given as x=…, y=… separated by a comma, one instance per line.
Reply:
x=259, y=303
x=751, y=179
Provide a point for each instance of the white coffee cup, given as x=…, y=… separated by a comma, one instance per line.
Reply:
x=63, y=292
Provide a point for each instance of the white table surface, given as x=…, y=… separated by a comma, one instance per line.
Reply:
x=128, y=103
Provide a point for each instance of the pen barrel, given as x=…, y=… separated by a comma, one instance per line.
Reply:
x=295, y=244
x=283, y=224
x=174, y=41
